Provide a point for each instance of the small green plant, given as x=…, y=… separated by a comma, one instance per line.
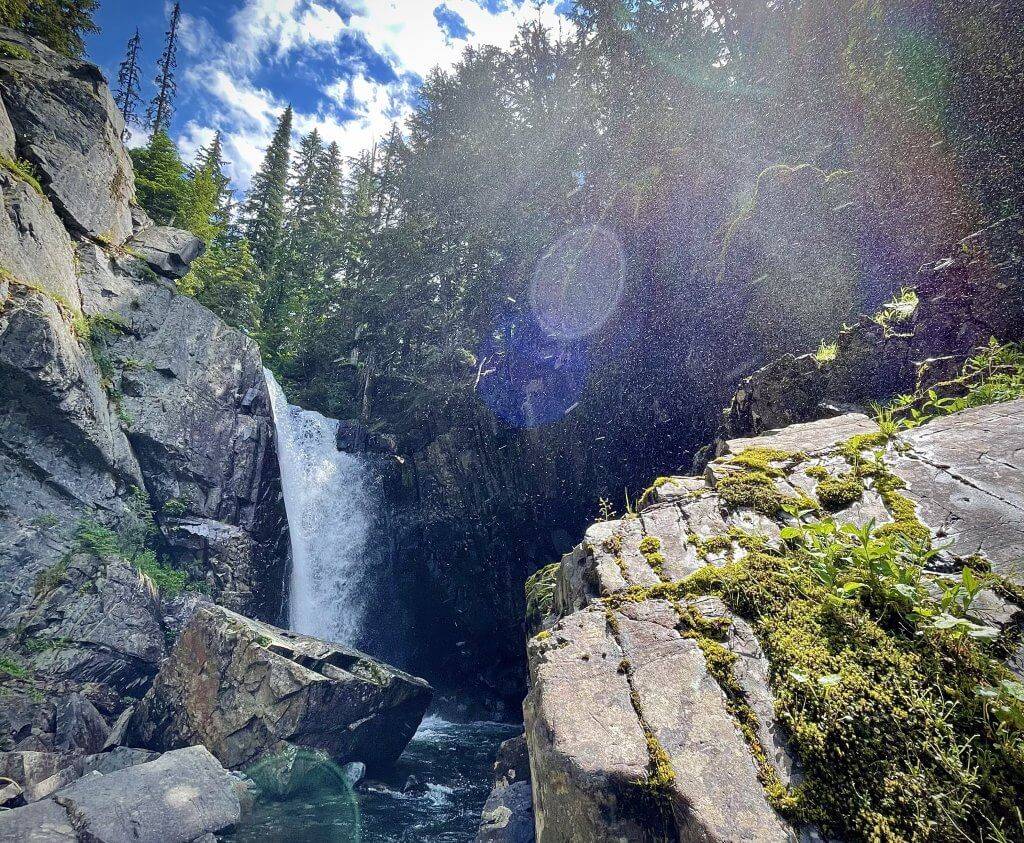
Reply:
x=606, y=510
x=46, y=521
x=167, y=579
x=174, y=508
x=1004, y=704
x=897, y=311
x=11, y=666
x=826, y=352
x=22, y=170
x=49, y=580
x=540, y=592
x=10, y=50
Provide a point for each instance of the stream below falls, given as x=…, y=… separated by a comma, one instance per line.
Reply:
x=451, y=760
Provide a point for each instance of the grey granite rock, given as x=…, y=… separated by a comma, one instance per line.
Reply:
x=69, y=128
x=243, y=688
x=168, y=251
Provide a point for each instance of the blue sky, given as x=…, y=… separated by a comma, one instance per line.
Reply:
x=348, y=67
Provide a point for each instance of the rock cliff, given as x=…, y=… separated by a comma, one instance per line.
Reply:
x=123, y=403
x=140, y=496
x=728, y=662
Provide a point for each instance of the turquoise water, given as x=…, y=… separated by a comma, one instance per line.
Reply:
x=452, y=760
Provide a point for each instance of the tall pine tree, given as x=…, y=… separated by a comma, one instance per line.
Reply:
x=206, y=211
x=263, y=217
x=128, y=96
x=160, y=179
x=264, y=206
x=162, y=106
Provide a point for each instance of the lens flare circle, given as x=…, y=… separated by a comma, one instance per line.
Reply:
x=578, y=282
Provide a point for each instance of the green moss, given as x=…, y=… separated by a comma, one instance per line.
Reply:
x=10, y=50
x=166, y=578
x=762, y=459
x=883, y=717
x=48, y=581
x=650, y=547
x=750, y=488
x=854, y=447
x=175, y=508
x=650, y=492
x=818, y=472
x=12, y=667
x=22, y=170
x=835, y=493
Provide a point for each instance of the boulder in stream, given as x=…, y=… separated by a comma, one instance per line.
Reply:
x=244, y=689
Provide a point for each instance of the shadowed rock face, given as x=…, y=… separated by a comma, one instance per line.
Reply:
x=611, y=679
x=965, y=299
x=244, y=688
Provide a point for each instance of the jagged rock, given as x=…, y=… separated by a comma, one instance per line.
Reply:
x=68, y=127
x=203, y=435
x=507, y=816
x=611, y=680
x=244, y=688
x=175, y=798
x=194, y=403
x=95, y=621
x=11, y=794
x=35, y=246
x=28, y=768
x=80, y=727
x=74, y=768
x=7, y=139
x=168, y=251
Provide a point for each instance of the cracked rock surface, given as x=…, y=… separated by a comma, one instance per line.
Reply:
x=614, y=677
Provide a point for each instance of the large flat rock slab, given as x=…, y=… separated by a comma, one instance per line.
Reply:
x=809, y=437
x=965, y=473
x=244, y=689
x=176, y=798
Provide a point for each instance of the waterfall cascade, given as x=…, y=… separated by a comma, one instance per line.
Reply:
x=325, y=495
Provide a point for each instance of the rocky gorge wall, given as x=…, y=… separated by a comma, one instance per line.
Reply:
x=143, y=536
x=120, y=398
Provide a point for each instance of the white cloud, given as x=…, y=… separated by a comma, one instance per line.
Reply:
x=355, y=109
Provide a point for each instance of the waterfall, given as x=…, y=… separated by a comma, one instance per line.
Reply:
x=325, y=495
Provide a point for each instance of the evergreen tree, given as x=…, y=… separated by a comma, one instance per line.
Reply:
x=127, y=97
x=160, y=179
x=205, y=211
x=60, y=24
x=264, y=206
x=224, y=279
x=162, y=106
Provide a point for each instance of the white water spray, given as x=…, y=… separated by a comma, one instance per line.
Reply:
x=325, y=495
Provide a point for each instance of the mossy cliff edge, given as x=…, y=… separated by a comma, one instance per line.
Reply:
x=819, y=639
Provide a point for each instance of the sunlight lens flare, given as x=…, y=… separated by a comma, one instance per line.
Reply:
x=578, y=283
